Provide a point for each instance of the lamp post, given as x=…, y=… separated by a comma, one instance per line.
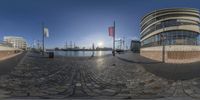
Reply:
x=163, y=43
x=163, y=48
x=43, y=39
x=112, y=34
x=93, y=50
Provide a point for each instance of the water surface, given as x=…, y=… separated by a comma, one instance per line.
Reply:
x=81, y=53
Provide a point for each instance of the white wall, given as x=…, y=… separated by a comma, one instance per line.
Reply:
x=3, y=48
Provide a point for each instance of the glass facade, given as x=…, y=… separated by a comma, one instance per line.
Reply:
x=172, y=38
x=167, y=16
x=178, y=26
x=153, y=14
x=168, y=23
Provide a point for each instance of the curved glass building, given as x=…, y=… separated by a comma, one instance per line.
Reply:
x=171, y=35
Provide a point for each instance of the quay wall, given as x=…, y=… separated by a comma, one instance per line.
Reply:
x=6, y=51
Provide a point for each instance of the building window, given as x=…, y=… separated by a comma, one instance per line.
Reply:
x=173, y=38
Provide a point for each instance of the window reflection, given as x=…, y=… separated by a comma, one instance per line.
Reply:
x=173, y=38
x=168, y=23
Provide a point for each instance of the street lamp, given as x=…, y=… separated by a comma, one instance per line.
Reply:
x=163, y=48
x=163, y=43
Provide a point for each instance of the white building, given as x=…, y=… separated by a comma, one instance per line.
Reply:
x=17, y=42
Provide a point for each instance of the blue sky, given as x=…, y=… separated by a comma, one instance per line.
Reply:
x=82, y=21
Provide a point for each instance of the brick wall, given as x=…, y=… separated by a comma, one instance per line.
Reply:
x=155, y=55
x=182, y=54
x=173, y=54
x=6, y=53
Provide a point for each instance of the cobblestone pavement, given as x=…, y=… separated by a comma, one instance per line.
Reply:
x=99, y=77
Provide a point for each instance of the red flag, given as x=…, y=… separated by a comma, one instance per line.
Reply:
x=111, y=31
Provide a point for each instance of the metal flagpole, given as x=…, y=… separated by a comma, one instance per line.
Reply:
x=93, y=50
x=66, y=45
x=114, y=40
x=43, y=39
x=198, y=36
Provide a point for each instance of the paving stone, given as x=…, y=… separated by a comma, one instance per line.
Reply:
x=189, y=91
x=78, y=84
x=90, y=77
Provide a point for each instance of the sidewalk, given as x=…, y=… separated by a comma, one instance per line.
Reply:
x=169, y=98
x=172, y=98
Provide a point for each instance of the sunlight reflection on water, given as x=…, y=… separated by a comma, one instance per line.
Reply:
x=81, y=53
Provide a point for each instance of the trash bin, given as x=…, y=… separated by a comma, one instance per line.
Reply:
x=51, y=54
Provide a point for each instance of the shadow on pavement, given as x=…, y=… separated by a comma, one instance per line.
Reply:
x=138, y=62
x=37, y=56
x=174, y=71
x=6, y=66
x=165, y=70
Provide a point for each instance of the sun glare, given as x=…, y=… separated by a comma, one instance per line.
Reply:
x=100, y=44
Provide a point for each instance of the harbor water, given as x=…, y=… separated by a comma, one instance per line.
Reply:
x=81, y=53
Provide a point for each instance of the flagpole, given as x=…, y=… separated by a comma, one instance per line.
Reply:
x=43, y=39
x=114, y=40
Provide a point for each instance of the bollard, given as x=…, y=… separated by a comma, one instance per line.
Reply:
x=51, y=54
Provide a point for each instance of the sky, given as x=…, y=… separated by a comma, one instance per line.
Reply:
x=81, y=21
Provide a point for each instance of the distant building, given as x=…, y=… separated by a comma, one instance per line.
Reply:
x=6, y=49
x=135, y=46
x=17, y=42
x=5, y=44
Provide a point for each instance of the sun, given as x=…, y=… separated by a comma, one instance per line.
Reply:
x=100, y=44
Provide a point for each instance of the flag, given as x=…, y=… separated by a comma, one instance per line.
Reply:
x=111, y=31
x=46, y=32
